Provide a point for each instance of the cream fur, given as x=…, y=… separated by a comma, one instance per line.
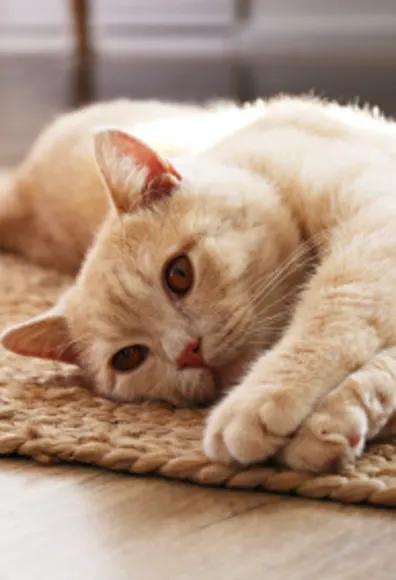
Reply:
x=57, y=189
x=287, y=211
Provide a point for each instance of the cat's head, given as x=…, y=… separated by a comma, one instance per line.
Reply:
x=180, y=291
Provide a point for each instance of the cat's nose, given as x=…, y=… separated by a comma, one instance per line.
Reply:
x=191, y=356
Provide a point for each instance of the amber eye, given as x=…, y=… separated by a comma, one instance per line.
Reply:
x=130, y=358
x=179, y=275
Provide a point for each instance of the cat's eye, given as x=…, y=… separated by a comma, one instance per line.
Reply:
x=179, y=275
x=129, y=358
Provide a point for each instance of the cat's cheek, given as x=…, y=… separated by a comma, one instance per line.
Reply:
x=104, y=383
x=128, y=387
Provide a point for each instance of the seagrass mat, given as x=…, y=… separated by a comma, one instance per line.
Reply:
x=46, y=415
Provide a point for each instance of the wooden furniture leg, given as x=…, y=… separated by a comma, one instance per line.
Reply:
x=82, y=89
x=80, y=16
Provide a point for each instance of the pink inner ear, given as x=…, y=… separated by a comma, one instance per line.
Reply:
x=44, y=337
x=44, y=349
x=65, y=355
x=161, y=175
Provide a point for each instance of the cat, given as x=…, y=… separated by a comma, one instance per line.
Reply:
x=255, y=269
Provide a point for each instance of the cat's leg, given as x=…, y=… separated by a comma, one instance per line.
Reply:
x=356, y=412
x=338, y=327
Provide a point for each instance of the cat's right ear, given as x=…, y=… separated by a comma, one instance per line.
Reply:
x=135, y=175
x=45, y=336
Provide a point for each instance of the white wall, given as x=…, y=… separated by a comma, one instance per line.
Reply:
x=182, y=27
x=324, y=7
x=39, y=25
x=321, y=28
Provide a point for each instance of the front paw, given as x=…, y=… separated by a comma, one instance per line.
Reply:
x=250, y=425
x=331, y=438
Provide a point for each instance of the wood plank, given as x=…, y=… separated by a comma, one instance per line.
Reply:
x=68, y=523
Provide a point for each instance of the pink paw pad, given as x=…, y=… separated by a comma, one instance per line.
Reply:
x=354, y=439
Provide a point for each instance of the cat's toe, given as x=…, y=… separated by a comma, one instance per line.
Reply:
x=235, y=432
x=214, y=445
x=308, y=453
x=325, y=443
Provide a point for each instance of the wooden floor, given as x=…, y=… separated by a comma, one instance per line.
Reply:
x=66, y=523
x=69, y=523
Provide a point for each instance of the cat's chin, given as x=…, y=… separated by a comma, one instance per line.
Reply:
x=203, y=387
x=195, y=387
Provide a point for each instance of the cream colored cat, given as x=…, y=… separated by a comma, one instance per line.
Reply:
x=263, y=262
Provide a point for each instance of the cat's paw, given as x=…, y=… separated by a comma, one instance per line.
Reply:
x=251, y=424
x=329, y=439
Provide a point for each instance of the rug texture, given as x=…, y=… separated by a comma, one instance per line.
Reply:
x=45, y=414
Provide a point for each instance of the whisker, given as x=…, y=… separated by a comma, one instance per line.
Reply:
x=286, y=267
x=287, y=299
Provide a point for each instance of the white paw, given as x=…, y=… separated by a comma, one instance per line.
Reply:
x=328, y=440
x=250, y=425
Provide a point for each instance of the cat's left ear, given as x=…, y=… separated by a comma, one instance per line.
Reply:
x=45, y=336
x=134, y=173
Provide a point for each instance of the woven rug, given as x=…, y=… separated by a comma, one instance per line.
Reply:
x=45, y=414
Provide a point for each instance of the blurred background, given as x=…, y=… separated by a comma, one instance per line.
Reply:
x=58, y=54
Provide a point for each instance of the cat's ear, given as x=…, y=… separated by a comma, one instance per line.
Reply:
x=134, y=173
x=45, y=336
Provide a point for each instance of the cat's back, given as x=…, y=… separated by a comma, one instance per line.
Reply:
x=296, y=136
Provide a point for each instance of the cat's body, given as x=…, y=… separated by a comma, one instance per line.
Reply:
x=197, y=271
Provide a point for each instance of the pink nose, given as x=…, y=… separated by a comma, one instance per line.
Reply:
x=191, y=356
